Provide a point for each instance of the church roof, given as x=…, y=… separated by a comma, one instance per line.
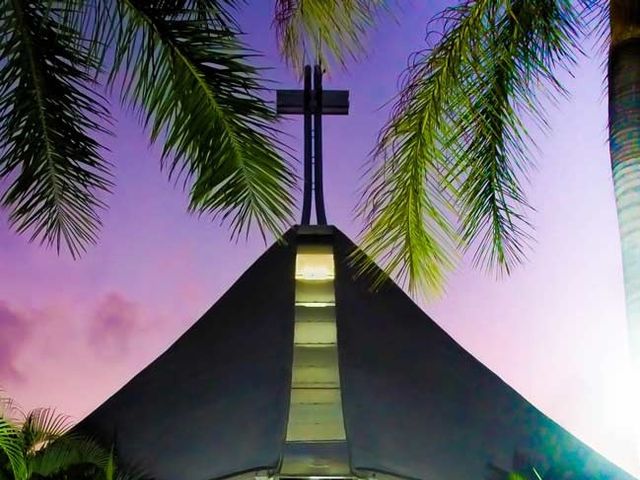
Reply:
x=416, y=404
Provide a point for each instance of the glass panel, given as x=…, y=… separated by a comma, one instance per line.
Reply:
x=315, y=411
x=315, y=291
x=315, y=367
x=314, y=262
x=315, y=333
x=311, y=314
x=318, y=420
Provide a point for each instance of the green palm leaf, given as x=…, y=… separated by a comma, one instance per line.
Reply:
x=68, y=451
x=509, y=70
x=11, y=445
x=455, y=136
x=51, y=447
x=193, y=85
x=41, y=426
x=49, y=112
x=407, y=204
x=40, y=443
x=407, y=216
x=326, y=30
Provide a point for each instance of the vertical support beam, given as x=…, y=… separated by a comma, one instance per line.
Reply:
x=317, y=140
x=307, y=188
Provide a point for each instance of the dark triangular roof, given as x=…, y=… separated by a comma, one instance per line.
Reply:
x=416, y=404
x=215, y=403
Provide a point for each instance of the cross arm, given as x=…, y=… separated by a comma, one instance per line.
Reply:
x=334, y=102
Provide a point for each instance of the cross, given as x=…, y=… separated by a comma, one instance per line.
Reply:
x=313, y=103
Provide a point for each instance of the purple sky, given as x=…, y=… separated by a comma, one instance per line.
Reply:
x=71, y=333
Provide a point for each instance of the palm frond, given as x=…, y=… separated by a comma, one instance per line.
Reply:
x=42, y=426
x=194, y=87
x=100, y=21
x=12, y=446
x=595, y=14
x=324, y=30
x=407, y=205
x=68, y=451
x=40, y=443
x=49, y=113
x=456, y=130
x=407, y=227
x=9, y=409
x=511, y=68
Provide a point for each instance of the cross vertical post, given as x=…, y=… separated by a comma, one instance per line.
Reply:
x=321, y=215
x=313, y=102
x=308, y=133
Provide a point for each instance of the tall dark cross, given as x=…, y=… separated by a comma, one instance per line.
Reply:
x=313, y=103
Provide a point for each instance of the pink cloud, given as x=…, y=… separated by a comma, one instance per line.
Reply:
x=114, y=323
x=15, y=332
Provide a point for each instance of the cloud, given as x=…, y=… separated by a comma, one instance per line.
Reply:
x=15, y=332
x=114, y=323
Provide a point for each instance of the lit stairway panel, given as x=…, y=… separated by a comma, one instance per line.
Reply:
x=315, y=293
x=315, y=442
x=315, y=367
x=315, y=333
x=315, y=414
x=315, y=262
x=311, y=314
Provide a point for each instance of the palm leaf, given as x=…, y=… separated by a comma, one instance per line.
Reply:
x=110, y=468
x=11, y=442
x=11, y=445
x=49, y=112
x=42, y=426
x=455, y=135
x=509, y=70
x=325, y=30
x=407, y=205
x=41, y=444
x=194, y=87
x=406, y=212
x=68, y=451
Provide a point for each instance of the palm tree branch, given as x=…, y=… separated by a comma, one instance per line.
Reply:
x=11, y=445
x=457, y=115
x=407, y=226
x=409, y=154
x=42, y=426
x=67, y=451
x=324, y=29
x=48, y=112
x=194, y=86
x=491, y=159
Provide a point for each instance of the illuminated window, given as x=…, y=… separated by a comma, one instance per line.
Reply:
x=315, y=442
x=314, y=262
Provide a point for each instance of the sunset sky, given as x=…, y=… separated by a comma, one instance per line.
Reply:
x=73, y=332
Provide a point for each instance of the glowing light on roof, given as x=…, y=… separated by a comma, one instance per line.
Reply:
x=314, y=262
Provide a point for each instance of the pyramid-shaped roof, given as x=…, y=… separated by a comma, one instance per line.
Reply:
x=416, y=404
